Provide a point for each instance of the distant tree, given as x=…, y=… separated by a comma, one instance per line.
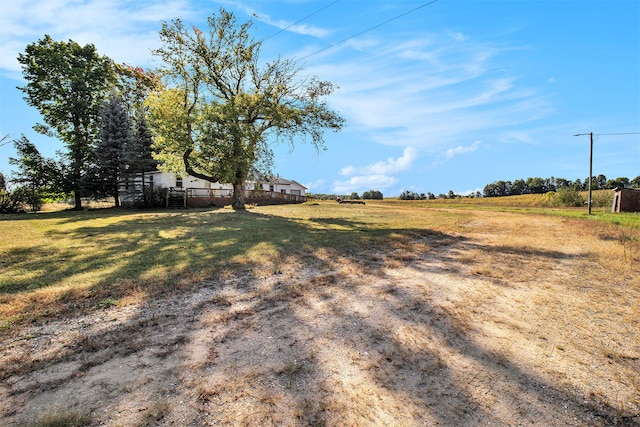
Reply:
x=226, y=107
x=549, y=184
x=621, y=182
x=635, y=182
x=3, y=182
x=409, y=195
x=563, y=183
x=67, y=83
x=600, y=182
x=431, y=196
x=536, y=185
x=36, y=176
x=354, y=196
x=518, y=186
x=372, y=195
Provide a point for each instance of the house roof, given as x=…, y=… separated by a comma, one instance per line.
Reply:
x=283, y=181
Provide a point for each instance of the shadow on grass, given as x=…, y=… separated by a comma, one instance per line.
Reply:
x=121, y=249
x=253, y=345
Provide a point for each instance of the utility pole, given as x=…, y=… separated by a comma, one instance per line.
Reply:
x=590, y=164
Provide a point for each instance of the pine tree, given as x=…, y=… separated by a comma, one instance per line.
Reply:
x=115, y=135
x=138, y=154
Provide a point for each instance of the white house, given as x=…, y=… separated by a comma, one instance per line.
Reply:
x=192, y=188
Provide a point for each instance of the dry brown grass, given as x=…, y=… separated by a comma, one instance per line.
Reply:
x=410, y=317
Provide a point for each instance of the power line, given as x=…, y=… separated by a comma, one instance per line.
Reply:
x=300, y=20
x=2, y=140
x=619, y=133
x=370, y=29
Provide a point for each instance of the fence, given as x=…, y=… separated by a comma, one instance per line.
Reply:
x=203, y=197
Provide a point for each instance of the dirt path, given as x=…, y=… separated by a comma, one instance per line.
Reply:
x=514, y=321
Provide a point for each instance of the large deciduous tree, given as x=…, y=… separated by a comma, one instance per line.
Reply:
x=67, y=83
x=225, y=108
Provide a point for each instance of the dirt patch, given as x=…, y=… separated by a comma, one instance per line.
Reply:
x=517, y=320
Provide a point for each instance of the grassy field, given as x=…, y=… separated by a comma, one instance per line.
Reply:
x=103, y=255
x=324, y=314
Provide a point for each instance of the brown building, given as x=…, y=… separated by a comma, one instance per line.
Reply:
x=626, y=200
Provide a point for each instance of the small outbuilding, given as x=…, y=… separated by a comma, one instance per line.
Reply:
x=626, y=200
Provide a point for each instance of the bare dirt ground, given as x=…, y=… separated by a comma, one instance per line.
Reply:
x=516, y=320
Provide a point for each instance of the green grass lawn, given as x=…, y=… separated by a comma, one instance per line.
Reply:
x=100, y=256
x=105, y=252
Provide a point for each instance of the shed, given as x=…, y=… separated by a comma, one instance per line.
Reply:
x=626, y=200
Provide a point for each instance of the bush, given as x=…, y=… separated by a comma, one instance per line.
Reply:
x=18, y=200
x=602, y=199
x=568, y=197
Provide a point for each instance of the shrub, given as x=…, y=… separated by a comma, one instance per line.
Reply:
x=602, y=199
x=12, y=201
x=568, y=197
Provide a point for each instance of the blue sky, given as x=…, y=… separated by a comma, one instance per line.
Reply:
x=452, y=96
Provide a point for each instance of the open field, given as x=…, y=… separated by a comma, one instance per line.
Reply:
x=388, y=313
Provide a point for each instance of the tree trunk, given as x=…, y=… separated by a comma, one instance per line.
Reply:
x=144, y=193
x=237, y=201
x=77, y=199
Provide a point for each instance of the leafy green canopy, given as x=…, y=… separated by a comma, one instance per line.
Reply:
x=36, y=177
x=67, y=83
x=224, y=109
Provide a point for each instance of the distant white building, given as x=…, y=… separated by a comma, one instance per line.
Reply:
x=199, y=192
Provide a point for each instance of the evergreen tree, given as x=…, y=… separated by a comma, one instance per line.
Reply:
x=138, y=154
x=115, y=135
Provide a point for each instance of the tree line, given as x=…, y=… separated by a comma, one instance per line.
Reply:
x=564, y=187
x=545, y=185
x=212, y=111
x=367, y=195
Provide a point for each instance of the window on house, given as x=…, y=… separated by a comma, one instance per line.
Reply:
x=283, y=191
x=179, y=182
x=271, y=187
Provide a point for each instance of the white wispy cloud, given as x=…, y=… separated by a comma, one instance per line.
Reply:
x=364, y=183
x=388, y=166
x=431, y=91
x=462, y=150
x=316, y=185
x=282, y=24
x=378, y=175
x=124, y=30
